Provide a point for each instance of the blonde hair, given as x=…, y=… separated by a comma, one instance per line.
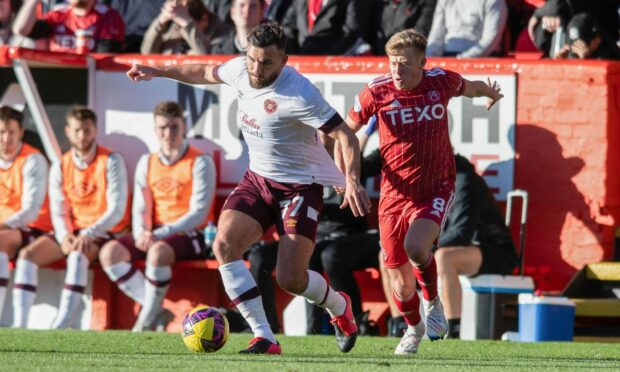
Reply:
x=409, y=38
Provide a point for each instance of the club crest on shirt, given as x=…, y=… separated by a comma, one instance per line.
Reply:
x=291, y=222
x=270, y=106
x=433, y=95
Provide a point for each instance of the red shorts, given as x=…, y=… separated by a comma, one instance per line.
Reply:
x=187, y=246
x=396, y=215
x=294, y=208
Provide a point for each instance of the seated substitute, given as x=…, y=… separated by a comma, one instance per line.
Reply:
x=173, y=194
x=24, y=210
x=88, y=201
x=474, y=240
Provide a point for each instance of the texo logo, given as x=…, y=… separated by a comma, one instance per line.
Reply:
x=410, y=115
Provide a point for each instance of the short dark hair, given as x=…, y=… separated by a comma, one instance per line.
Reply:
x=197, y=10
x=261, y=2
x=266, y=34
x=583, y=26
x=169, y=109
x=81, y=113
x=9, y=113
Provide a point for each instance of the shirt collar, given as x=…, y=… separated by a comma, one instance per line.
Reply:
x=83, y=163
x=169, y=161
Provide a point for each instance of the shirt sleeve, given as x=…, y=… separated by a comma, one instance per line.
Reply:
x=59, y=208
x=116, y=198
x=311, y=108
x=34, y=175
x=455, y=82
x=230, y=72
x=364, y=107
x=142, y=207
x=203, y=191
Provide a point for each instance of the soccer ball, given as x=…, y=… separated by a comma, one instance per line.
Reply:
x=205, y=329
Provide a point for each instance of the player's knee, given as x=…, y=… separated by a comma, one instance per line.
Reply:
x=28, y=254
x=111, y=253
x=417, y=251
x=402, y=288
x=225, y=251
x=160, y=254
x=442, y=259
x=291, y=283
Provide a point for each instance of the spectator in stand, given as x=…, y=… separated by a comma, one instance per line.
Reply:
x=173, y=194
x=183, y=27
x=553, y=17
x=323, y=27
x=8, y=9
x=391, y=16
x=467, y=28
x=585, y=41
x=245, y=14
x=138, y=15
x=221, y=8
x=103, y=26
x=274, y=9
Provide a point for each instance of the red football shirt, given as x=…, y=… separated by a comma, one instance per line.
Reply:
x=414, y=141
x=105, y=23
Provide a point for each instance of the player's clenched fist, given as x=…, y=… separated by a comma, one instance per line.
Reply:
x=141, y=73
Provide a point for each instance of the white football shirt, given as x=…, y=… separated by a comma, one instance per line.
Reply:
x=279, y=123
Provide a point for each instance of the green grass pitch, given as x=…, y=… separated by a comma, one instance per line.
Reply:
x=122, y=350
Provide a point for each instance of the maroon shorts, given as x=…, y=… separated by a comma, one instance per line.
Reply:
x=396, y=215
x=28, y=236
x=187, y=246
x=294, y=208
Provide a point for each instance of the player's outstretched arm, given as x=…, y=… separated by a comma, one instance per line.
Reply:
x=479, y=88
x=354, y=195
x=190, y=74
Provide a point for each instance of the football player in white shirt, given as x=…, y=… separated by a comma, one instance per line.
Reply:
x=279, y=113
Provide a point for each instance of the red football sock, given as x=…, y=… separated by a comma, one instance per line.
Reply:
x=426, y=274
x=410, y=308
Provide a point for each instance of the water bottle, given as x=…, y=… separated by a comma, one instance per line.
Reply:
x=210, y=231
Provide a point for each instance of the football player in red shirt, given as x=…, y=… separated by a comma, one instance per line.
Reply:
x=97, y=27
x=418, y=174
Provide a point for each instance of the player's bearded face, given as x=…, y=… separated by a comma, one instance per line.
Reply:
x=264, y=65
x=81, y=133
x=10, y=137
x=406, y=68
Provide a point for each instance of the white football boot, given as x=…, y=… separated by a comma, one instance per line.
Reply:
x=436, y=322
x=411, y=339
